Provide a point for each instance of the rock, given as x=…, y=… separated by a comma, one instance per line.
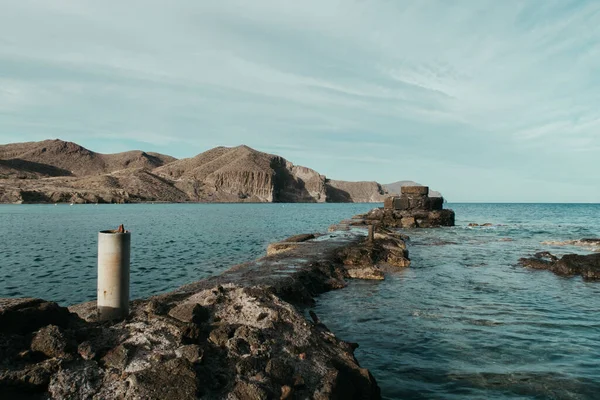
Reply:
x=86, y=351
x=473, y=225
x=338, y=227
x=281, y=247
x=249, y=391
x=190, y=312
x=300, y=238
x=588, y=266
x=221, y=335
x=117, y=358
x=368, y=273
x=408, y=222
x=32, y=378
x=51, y=342
x=401, y=203
x=280, y=370
x=412, y=209
x=28, y=314
x=388, y=203
x=192, y=352
x=286, y=392
x=418, y=190
x=174, y=380
x=434, y=203
x=76, y=381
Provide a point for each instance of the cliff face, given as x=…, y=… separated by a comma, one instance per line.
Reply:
x=354, y=192
x=54, y=171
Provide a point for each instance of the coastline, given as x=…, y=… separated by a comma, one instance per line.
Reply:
x=242, y=334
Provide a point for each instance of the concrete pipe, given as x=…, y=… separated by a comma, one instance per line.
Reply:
x=114, y=248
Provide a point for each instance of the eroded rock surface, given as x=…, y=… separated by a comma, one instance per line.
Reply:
x=240, y=335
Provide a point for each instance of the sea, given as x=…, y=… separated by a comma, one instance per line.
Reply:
x=465, y=321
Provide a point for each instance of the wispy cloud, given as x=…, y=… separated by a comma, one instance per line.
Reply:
x=475, y=83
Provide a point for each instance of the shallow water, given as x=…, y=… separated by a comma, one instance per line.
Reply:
x=466, y=322
x=463, y=322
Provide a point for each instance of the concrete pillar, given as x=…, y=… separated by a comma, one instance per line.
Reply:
x=114, y=248
x=371, y=233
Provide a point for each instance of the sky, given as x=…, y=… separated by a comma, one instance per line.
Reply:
x=485, y=101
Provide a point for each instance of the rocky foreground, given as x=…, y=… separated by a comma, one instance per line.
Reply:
x=240, y=335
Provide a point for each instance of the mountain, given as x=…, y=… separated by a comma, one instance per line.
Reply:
x=394, y=188
x=54, y=171
x=59, y=158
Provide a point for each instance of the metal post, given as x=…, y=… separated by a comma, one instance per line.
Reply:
x=371, y=233
x=114, y=248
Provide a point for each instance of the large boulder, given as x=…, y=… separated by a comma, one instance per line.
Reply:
x=26, y=315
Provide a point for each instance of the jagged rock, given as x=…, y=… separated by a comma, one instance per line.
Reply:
x=190, y=312
x=174, y=380
x=408, y=222
x=279, y=370
x=29, y=314
x=588, y=266
x=80, y=380
x=191, y=352
x=368, y=273
x=117, y=358
x=51, y=342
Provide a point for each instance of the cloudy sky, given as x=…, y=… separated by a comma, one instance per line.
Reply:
x=482, y=100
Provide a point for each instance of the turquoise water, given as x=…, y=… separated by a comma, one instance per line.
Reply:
x=463, y=322
x=466, y=322
x=50, y=251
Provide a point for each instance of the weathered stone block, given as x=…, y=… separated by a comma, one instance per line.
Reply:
x=422, y=190
x=418, y=203
x=401, y=203
x=388, y=203
x=435, y=203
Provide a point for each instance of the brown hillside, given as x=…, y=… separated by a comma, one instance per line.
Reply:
x=354, y=192
x=57, y=171
x=60, y=158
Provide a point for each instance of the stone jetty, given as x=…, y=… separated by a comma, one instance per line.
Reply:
x=245, y=334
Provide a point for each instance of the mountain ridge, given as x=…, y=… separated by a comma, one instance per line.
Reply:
x=54, y=171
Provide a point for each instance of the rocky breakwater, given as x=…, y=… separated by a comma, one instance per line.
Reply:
x=412, y=209
x=241, y=335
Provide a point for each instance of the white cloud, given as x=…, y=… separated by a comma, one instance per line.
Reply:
x=470, y=82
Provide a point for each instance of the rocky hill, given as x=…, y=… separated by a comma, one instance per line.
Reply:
x=59, y=158
x=54, y=171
